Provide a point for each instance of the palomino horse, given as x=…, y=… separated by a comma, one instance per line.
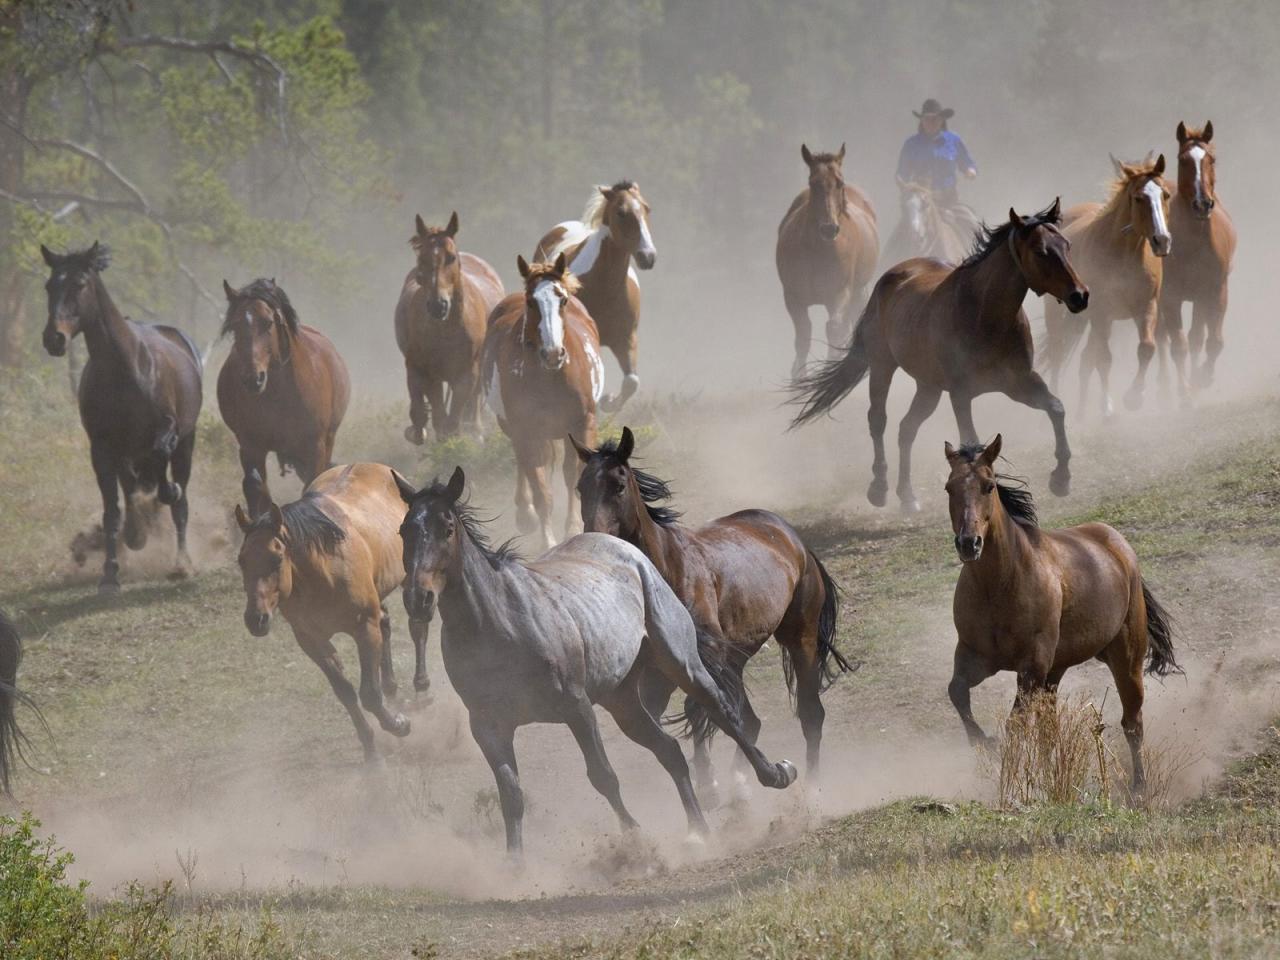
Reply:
x=1198, y=269
x=440, y=328
x=925, y=229
x=1066, y=596
x=613, y=231
x=12, y=739
x=283, y=388
x=140, y=394
x=327, y=562
x=744, y=578
x=543, y=642
x=1118, y=247
x=826, y=254
x=543, y=377
x=960, y=329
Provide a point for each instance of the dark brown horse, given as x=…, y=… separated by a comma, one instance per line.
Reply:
x=1065, y=597
x=826, y=254
x=543, y=377
x=283, y=388
x=1197, y=269
x=140, y=394
x=959, y=329
x=440, y=328
x=12, y=740
x=744, y=578
x=613, y=232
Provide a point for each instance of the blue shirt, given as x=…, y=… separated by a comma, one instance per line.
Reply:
x=934, y=160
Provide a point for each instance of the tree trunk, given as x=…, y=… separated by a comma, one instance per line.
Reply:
x=14, y=91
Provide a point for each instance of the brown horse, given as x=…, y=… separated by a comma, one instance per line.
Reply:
x=1198, y=270
x=1118, y=247
x=959, y=329
x=613, y=231
x=1065, y=596
x=327, y=562
x=440, y=328
x=140, y=395
x=283, y=388
x=925, y=229
x=543, y=377
x=826, y=254
x=12, y=740
x=744, y=578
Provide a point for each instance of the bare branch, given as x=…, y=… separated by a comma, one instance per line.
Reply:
x=103, y=164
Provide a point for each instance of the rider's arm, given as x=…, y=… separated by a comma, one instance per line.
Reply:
x=906, y=167
x=964, y=161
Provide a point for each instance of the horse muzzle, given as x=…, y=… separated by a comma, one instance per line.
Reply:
x=645, y=259
x=1203, y=209
x=258, y=624
x=438, y=308
x=829, y=231
x=1078, y=300
x=969, y=548
x=257, y=383
x=420, y=604
x=55, y=342
x=554, y=360
x=1161, y=246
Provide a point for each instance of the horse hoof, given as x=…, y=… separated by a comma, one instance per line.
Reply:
x=910, y=506
x=696, y=839
x=1060, y=483
x=422, y=684
x=399, y=725
x=709, y=794
x=415, y=435
x=787, y=774
x=878, y=493
x=610, y=404
x=108, y=587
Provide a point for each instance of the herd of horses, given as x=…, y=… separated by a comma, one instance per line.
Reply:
x=640, y=605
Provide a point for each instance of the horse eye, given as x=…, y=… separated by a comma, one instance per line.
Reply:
x=449, y=258
x=987, y=487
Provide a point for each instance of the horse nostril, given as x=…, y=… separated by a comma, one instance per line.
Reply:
x=1078, y=300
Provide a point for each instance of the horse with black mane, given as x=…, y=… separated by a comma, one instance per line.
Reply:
x=12, y=740
x=140, y=395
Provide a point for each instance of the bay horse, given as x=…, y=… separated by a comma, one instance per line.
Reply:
x=960, y=329
x=744, y=578
x=140, y=395
x=924, y=228
x=1065, y=596
x=1198, y=269
x=543, y=642
x=12, y=740
x=327, y=562
x=612, y=234
x=283, y=388
x=826, y=252
x=440, y=329
x=1119, y=249
x=543, y=378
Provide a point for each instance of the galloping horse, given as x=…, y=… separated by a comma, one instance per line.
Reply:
x=1198, y=269
x=440, y=328
x=283, y=388
x=744, y=578
x=827, y=251
x=12, y=739
x=1118, y=247
x=327, y=562
x=543, y=377
x=1066, y=596
x=140, y=394
x=543, y=642
x=960, y=329
x=613, y=231
x=924, y=229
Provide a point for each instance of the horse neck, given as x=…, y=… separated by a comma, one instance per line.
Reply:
x=661, y=544
x=472, y=588
x=610, y=267
x=1113, y=226
x=1000, y=284
x=109, y=336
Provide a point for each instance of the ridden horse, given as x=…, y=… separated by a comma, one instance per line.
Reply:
x=283, y=388
x=140, y=395
x=744, y=578
x=440, y=328
x=924, y=228
x=1065, y=596
x=613, y=232
x=543, y=642
x=12, y=739
x=1118, y=247
x=826, y=253
x=959, y=329
x=327, y=562
x=543, y=377
x=1198, y=269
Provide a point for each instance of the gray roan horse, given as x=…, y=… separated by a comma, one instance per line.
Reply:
x=541, y=642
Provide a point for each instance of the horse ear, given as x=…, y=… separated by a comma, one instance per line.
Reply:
x=457, y=485
x=1208, y=131
x=51, y=259
x=584, y=453
x=626, y=445
x=1013, y=216
x=840, y=155
x=561, y=264
x=1159, y=168
x=949, y=450
x=242, y=519
x=1117, y=166
x=407, y=493
x=277, y=518
x=419, y=225
x=92, y=254
x=229, y=290
x=992, y=452
x=452, y=229
x=523, y=266
x=1182, y=132
x=805, y=155
x=1055, y=212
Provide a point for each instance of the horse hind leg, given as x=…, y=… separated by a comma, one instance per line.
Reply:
x=1124, y=657
x=1030, y=389
x=180, y=509
x=922, y=406
x=324, y=656
x=877, y=421
x=581, y=719
x=1146, y=324
x=389, y=686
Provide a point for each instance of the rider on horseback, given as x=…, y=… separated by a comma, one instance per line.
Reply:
x=934, y=155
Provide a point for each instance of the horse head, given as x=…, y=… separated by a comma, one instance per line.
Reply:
x=72, y=290
x=607, y=487
x=431, y=534
x=1147, y=198
x=265, y=567
x=439, y=271
x=915, y=201
x=1040, y=251
x=826, y=189
x=547, y=289
x=263, y=322
x=625, y=214
x=1197, y=175
x=971, y=494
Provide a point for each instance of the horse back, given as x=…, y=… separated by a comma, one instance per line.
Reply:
x=330, y=381
x=483, y=282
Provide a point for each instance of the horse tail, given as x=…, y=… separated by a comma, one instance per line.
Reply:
x=718, y=657
x=833, y=380
x=1160, y=660
x=12, y=740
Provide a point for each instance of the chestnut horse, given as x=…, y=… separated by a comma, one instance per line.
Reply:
x=283, y=388
x=1119, y=247
x=959, y=329
x=1065, y=596
x=925, y=229
x=613, y=232
x=327, y=562
x=1198, y=269
x=744, y=578
x=826, y=254
x=440, y=328
x=140, y=395
x=543, y=377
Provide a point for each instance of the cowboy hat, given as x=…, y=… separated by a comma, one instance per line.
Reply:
x=932, y=107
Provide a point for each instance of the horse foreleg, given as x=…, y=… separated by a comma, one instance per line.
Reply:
x=877, y=420
x=1030, y=389
x=922, y=405
x=440, y=419
x=418, y=631
x=106, y=468
x=962, y=405
x=571, y=467
x=1215, y=314
x=628, y=360
x=1171, y=325
x=465, y=405
x=1097, y=358
x=497, y=742
x=323, y=655
x=368, y=637
x=416, y=382
x=967, y=672
x=1146, y=324
x=389, y=686
x=257, y=494
x=803, y=334
x=839, y=325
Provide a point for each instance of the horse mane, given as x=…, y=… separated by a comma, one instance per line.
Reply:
x=270, y=293
x=542, y=271
x=306, y=525
x=652, y=490
x=465, y=514
x=593, y=212
x=823, y=158
x=418, y=240
x=96, y=257
x=993, y=238
x=1015, y=495
x=1195, y=135
x=1116, y=194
